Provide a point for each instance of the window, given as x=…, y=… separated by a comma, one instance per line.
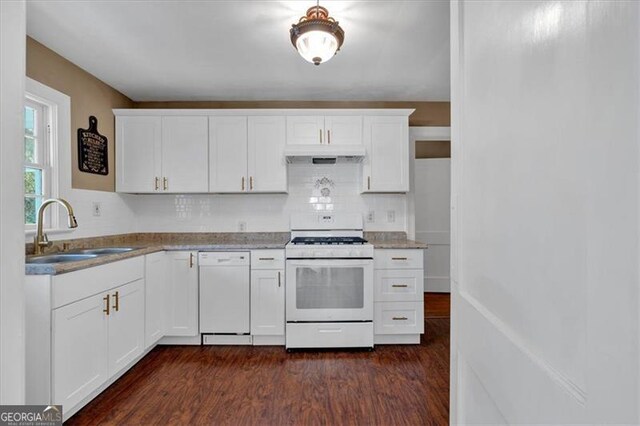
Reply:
x=37, y=160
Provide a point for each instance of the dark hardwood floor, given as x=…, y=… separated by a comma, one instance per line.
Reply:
x=246, y=385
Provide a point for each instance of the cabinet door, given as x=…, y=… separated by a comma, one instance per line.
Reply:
x=126, y=325
x=79, y=350
x=343, y=130
x=138, y=154
x=267, y=167
x=228, y=154
x=155, y=289
x=185, y=144
x=267, y=302
x=182, y=294
x=386, y=166
x=305, y=130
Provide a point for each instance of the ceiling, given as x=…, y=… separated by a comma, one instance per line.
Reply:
x=153, y=50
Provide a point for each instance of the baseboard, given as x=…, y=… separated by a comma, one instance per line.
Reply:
x=226, y=339
x=396, y=339
x=180, y=340
x=268, y=340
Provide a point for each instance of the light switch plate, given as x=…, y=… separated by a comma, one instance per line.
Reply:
x=371, y=216
x=97, y=209
x=242, y=226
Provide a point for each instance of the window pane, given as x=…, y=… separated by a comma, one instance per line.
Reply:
x=31, y=206
x=29, y=121
x=30, y=149
x=33, y=181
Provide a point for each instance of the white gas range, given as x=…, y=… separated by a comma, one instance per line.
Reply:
x=329, y=276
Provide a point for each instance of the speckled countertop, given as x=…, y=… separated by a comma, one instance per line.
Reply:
x=150, y=243
x=146, y=243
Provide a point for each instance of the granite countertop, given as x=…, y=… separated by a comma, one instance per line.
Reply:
x=146, y=243
x=151, y=243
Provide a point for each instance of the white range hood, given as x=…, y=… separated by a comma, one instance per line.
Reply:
x=324, y=154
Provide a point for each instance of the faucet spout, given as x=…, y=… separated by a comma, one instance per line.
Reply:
x=41, y=241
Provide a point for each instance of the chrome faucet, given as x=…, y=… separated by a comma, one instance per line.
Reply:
x=41, y=241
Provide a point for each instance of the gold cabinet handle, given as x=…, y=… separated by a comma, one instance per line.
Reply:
x=190, y=260
x=251, y=183
x=329, y=137
x=156, y=183
x=399, y=285
x=116, y=297
x=398, y=258
x=165, y=183
x=320, y=130
x=106, y=304
x=400, y=318
x=243, y=183
x=279, y=281
x=266, y=258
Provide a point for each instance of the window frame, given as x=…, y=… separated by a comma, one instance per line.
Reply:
x=56, y=113
x=42, y=127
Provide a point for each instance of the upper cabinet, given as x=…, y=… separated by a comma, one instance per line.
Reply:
x=386, y=164
x=161, y=154
x=246, y=151
x=246, y=154
x=324, y=130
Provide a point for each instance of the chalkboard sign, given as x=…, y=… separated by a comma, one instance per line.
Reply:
x=92, y=150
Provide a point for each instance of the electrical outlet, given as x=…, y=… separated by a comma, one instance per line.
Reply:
x=371, y=216
x=391, y=216
x=97, y=209
x=242, y=226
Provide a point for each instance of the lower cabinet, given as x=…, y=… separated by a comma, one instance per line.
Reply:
x=155, y=297
x=80, y=358
x=181, y=302
x=398, y=296
x=94, y=339
x=267, y=297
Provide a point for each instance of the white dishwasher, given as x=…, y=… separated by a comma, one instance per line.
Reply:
x=224, y=292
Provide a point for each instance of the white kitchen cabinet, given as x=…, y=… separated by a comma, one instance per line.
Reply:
x=386, y=165
x=343, y=130
x=79, y=351
x=181, y=312
x=324, y=130
x=185, y=141
x=138, y=154
x=246, y=154
x=126, y=325
x=398, y=296
x=161, y=154
x=228, y=154
x=155, y=289
x=266, y=164
x=267, y=297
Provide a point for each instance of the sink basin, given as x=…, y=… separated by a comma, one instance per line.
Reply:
x=61, y=257
x=104, y=250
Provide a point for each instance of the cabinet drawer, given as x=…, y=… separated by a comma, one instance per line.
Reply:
x=399, y=318
x=322, y=335
x=77, y=285
x=267, y=259
x=399, y=285
x=398, y=259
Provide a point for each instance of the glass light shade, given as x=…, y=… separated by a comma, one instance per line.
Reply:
x=317, y=46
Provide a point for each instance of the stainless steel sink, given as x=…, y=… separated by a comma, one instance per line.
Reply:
x=60, y=257
x=104, y=250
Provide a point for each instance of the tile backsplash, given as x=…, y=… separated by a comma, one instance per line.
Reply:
x=312, y=188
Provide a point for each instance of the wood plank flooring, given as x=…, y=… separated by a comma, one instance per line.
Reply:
x=245, y=385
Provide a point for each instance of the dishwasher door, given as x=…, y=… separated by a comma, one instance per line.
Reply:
x=224, y=292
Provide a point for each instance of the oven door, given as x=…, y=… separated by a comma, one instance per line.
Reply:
x=329, y=290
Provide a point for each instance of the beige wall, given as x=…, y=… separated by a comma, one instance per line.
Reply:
x=426, y=113
x=89, y=96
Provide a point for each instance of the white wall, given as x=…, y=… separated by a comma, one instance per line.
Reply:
x=545, y=195
x=269, y=212
x=12, y=70
x=432, y=212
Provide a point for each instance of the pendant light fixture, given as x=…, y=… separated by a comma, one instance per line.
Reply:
x=317, y=36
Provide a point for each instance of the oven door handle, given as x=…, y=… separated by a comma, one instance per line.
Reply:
x=336, y=263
